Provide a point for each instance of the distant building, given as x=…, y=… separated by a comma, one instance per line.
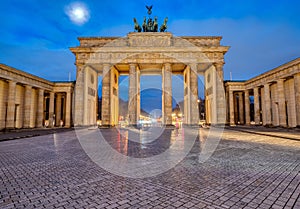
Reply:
x=270, y=99
x=27, y=101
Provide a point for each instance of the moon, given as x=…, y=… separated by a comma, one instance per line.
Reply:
x=78, y=13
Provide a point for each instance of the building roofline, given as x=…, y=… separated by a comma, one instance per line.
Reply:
x=63, y=81
x=18, y=71
x=274, y=70
x=234, y=81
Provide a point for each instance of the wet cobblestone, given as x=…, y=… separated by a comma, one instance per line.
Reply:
x=245, y=171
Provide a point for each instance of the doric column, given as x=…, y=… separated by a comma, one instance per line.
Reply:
x=187, y=95
x=262, y=106
x=247, y=107
x=58, y=109
x=274, y=108
x=68, y=109
x=236, y=109
x=51, y=110
x=106, y=95
x=133, y=95
x=220, y=94
x=194, y=117
x=10, y=121
x=291, y=102
x=297, y=96
x=33, y=108
x=27, y=106
x=231, y=108
x=267, y=105
x=40, y=108
x=281, y=102
x=79, y=96
x=256, y=106
x=167, y=94
x=241, y=108
x=3, y=100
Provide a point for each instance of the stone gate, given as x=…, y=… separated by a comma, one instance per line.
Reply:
x=148, y=53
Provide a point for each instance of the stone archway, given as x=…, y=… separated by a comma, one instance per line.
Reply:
x=138, y=52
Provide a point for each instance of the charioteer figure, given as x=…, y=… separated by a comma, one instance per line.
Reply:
x=150, y=25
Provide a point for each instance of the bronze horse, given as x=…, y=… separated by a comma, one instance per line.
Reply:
x=163, y=27
x=137, y=27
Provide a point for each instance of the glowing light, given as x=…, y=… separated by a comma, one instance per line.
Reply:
x=78, y=13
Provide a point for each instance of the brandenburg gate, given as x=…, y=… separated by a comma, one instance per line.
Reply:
x=148, y=53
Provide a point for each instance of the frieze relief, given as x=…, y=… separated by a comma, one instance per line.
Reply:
x=143, y=57
x=149, y=40
x=197, y=41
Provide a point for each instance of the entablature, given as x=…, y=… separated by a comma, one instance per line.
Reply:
x=10, y=73
x=150, y=57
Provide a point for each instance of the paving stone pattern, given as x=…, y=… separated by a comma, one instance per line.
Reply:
x=245, y=171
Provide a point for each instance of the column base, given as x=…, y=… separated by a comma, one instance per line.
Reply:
x=283, y=126
x=269, y=125
x=9, y=129
x=169, y=125
x=105, y=126
x=218, y=125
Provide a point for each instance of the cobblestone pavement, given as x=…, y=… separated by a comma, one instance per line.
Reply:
x=25, y=133
x=245, y=171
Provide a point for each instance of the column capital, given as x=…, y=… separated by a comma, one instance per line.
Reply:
x=297, y=75
x=194, y=66
x=219, y=69
x=27, y=86
x=167, y=64
x=132, y=65
x=204, y=66
x=41, y=91
x=106, y=64
x=219, y=65
x=11, y=82
x=240, y=93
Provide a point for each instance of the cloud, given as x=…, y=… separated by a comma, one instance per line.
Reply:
x=256, y=45
x=53, y=65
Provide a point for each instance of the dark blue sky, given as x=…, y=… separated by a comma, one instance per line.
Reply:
x=36, y=35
